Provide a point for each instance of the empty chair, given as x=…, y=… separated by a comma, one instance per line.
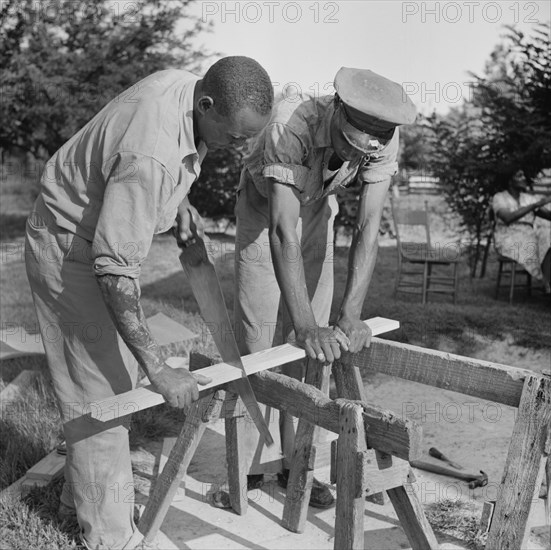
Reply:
x=418, y=256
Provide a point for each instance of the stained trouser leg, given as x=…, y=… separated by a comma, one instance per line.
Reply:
x=87, y=361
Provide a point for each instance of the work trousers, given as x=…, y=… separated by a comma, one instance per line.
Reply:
x=261, y=318
x=88, y=361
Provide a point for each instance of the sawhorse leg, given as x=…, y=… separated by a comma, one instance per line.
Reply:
x=237, y=466
x=208, y=408
x=529, y=450
x=301, y=474
x=404, y=497
x=175, y=468
x=351, y=449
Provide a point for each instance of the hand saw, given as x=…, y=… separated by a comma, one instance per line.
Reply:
x=208, y=293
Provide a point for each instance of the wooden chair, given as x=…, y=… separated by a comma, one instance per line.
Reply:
x=508, y=268
x=514, y=269
x=422, y=256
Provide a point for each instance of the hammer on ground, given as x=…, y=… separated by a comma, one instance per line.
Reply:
x=433, y=451
x=474, y=480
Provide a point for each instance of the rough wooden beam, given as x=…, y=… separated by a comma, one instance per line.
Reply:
x=169, y=480
x=482, y=379
x=301, y=474
x=349, y=520
x=524, y=469
x=387, y=431
x=407, y=504
x=221, y=374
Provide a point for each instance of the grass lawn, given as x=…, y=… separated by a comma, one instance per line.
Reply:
x=31, y=429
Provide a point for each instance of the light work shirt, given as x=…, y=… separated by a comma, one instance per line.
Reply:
x=120, y=179
x=295, y=148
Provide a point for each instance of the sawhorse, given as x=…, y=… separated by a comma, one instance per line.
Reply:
x=358, y=470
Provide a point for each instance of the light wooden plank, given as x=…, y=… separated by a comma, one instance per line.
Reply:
x=18, y=386
x=221, y=373
x=16, y=341
x=524, y=469
x=13, y=492
x=167, y=331
x=483, y=379
x=49, y=468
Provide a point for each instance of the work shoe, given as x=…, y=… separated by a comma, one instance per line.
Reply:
x=255, y=481
x=320, y=496
x=65, y=512
x=221, y=498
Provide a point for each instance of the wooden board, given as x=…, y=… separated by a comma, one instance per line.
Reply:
x=17, y=387
x=221, y=373
x=483, y=379
x=387, y=431
x=349, y=520
x=17, y=342
x=304, y=457
x=13, y=492
x=49, y=468
x=166, y=331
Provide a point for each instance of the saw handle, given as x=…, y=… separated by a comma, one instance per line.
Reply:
x=187, y=220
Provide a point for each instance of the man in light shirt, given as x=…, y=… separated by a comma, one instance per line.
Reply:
x=121, y=179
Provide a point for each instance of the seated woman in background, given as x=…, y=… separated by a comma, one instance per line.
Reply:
x=517, y=236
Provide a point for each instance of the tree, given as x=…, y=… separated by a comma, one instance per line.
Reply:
x=63, y=60
x=513, y=99
x=414, y=152
x=461, y=159
x=504, y=127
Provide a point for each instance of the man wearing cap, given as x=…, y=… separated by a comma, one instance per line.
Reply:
x=311, y=148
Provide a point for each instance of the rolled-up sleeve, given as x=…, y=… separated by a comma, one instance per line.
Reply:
x=284, y=153
x=136, y=190
x=384, y=166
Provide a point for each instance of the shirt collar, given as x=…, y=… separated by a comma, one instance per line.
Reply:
x=185, y=114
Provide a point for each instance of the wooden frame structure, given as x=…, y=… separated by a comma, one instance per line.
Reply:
x=374, y=445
